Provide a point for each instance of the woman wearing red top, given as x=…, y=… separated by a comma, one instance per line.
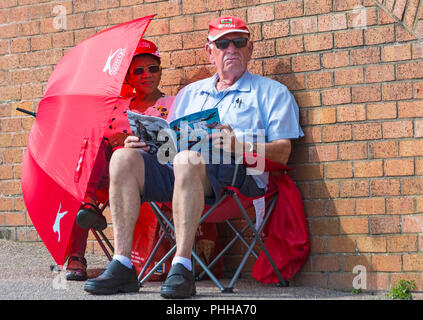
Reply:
x=143, y=76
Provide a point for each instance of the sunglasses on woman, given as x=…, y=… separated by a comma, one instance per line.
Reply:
x=238, y=43
x=140, y=70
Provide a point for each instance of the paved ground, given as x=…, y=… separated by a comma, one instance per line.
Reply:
x=25, y=274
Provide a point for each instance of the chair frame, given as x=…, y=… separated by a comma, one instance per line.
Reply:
x=168, y=229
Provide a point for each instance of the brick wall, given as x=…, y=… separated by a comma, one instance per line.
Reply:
x=355, y=68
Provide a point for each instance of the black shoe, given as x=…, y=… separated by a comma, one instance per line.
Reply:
x=114, y=279
x=90, y=217
x=179, y=283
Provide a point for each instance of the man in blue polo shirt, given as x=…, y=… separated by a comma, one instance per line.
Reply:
x=257, y=115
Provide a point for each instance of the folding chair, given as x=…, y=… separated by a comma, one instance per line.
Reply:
x=223, y=210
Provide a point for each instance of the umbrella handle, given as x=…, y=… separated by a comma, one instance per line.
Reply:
x=27, y=112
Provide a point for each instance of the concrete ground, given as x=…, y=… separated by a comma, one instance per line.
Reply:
x=25, y=274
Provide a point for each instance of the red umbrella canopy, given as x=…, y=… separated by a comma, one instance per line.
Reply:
x=70, y=123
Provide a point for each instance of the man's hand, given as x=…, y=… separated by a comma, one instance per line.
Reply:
x=134, y=142
x=226, y=139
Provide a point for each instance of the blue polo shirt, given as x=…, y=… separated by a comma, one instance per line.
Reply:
x=257, y=108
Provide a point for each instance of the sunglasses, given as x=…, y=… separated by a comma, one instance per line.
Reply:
x=140, y=70
x=238, y=43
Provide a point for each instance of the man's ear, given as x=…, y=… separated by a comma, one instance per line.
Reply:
x=250, y=48
x=209, y=48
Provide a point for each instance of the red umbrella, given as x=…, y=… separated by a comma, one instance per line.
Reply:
x=68, y=129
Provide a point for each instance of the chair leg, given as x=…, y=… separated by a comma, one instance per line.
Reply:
x=100, y=242
x=256, y=232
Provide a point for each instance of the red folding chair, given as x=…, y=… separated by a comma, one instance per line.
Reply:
x=233, y=204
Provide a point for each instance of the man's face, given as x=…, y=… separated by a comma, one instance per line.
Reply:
x=231, y=60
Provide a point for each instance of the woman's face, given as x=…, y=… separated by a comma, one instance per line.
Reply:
x=144, y=74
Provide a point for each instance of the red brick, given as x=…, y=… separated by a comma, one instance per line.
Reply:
x=402, y=243
x=413, y=262
x=352, y=151
x=324, y=190
x=303, y=25
x=371, y=244
x=365, y=56
x=362, y=17
x=400, y=205
x=418, y=90
x=289, y=9
x=289, y=45
x=353, y=225
x=181, y=24
x=264, y=49
x=350, y=38
x=378, y=35
x=386, y=263
x=370, y=206
x=341, y=207
x=380, y=225
x=318, y=42
x=313, y=7
x=308, y=98
x=336, y=96
x=322, y=153
x=319, y=80
x=322, y=116
x=385, y=187
x=412, y=186
x=410, y=109
x=366, y=93
x=306, y=63
x=349, y=76
x=412, y=223
x=335, y=59
x=332, y=22
x=409, y=148
x=342, y=5
x=396, y=52
x=412, y=70
x=333, y=133
x=397, y=91
x=384, y=149
x=193, y=6
x=338, y=170
x=354, y=188
x=308, y=172
x=382, y=111
x=367, y=131
x=260, y=13
x=275, y=29
x=397, y=129
x=341, y=244
x=326, y=263
x=351, y=113
x=365, y=169
x=324, y=226
x=380, y=73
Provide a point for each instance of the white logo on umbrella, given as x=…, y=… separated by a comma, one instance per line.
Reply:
x=113, y=68
x=59, y=216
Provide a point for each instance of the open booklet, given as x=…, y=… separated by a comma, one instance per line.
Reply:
x=187, y=132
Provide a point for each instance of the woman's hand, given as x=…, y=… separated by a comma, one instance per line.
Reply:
x=134, y=142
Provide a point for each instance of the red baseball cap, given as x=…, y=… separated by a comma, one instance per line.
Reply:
x=225, y=24
x=145, y=46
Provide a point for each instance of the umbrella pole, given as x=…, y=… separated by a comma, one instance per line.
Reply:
x=27, y=112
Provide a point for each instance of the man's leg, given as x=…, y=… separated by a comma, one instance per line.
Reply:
x=190, y=187
x=126, y=185
x=127, y=176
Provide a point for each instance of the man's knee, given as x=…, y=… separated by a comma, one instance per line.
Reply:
x=190, y=166
x=126, y=161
